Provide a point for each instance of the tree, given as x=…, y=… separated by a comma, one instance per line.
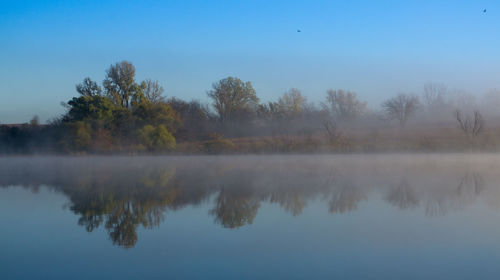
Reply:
x=292, y=103
x=94, y=108
x=434, y=96
x=120, y=83
x=196, y=118
x=233, y=99
x=78, y=137
x=332, y=132
x=470, y=126
x=88, y=88
x=153, y=91
x=401, y=108
x=270, y=111
x=160, y=113
x=344, y=105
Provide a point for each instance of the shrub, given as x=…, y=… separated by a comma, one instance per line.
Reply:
x=156, y=138
x=217, y=144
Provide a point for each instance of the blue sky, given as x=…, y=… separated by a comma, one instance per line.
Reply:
x=376, y=48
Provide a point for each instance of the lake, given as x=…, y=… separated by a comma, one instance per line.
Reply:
x=251, y=217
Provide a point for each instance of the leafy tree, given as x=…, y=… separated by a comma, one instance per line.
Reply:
x=292, y=103
x=195, y=117
x=160, y=113
x=88, y=88
x=344, y=105
x=93, y=108
x=120, y=83
x=233, y=99
x=270, y=111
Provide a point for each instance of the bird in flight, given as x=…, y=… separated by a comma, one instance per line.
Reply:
x=298, y=31
x=484, y=11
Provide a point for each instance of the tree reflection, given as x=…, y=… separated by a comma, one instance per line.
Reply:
x=403, y=196
x=234, y=210
x=345, y=198
x=455, y=197
x=122, y=195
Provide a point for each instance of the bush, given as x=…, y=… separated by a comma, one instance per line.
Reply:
x=217, y=144
x=156, y=138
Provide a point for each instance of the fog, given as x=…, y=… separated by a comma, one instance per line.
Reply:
x=124, y=193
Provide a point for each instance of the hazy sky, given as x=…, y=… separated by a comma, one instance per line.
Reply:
x=376, y=48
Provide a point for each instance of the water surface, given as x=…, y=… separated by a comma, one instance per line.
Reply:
x=251, y=217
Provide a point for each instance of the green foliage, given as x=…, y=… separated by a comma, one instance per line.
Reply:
x=120, y=83
x=88, y=88
x=78, y=137
x=233, y=99
x=156, y=138
x=217, y=144
x=195, y=119
x=127, y=116
x=159, y=113
x=94, y=108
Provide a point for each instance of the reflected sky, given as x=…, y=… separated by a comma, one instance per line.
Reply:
x=248, y=217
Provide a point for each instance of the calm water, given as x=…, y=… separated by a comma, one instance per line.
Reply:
x=251, y=217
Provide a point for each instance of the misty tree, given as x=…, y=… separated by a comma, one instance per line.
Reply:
x=462, y=100
x=434, y=96
x=292, y=103
x=120, y=83
x=491, y=100
x=470, y=126
x=401, y=108
x=197, y=118
x=233, y=99
x=270, y=111
x=88, y=88
x=153, y=91
x=332, y=132
x=344, y=105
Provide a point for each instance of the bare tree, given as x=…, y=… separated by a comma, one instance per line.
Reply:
x=434, y=96
x=470, y=126
x=332, y=132
x=401, y=107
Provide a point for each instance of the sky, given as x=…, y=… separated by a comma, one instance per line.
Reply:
x=375, y=48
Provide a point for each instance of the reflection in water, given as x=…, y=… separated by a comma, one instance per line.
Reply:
x=123, y=193
x=403, y=196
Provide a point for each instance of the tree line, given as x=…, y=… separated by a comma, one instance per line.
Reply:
x=122, y=114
